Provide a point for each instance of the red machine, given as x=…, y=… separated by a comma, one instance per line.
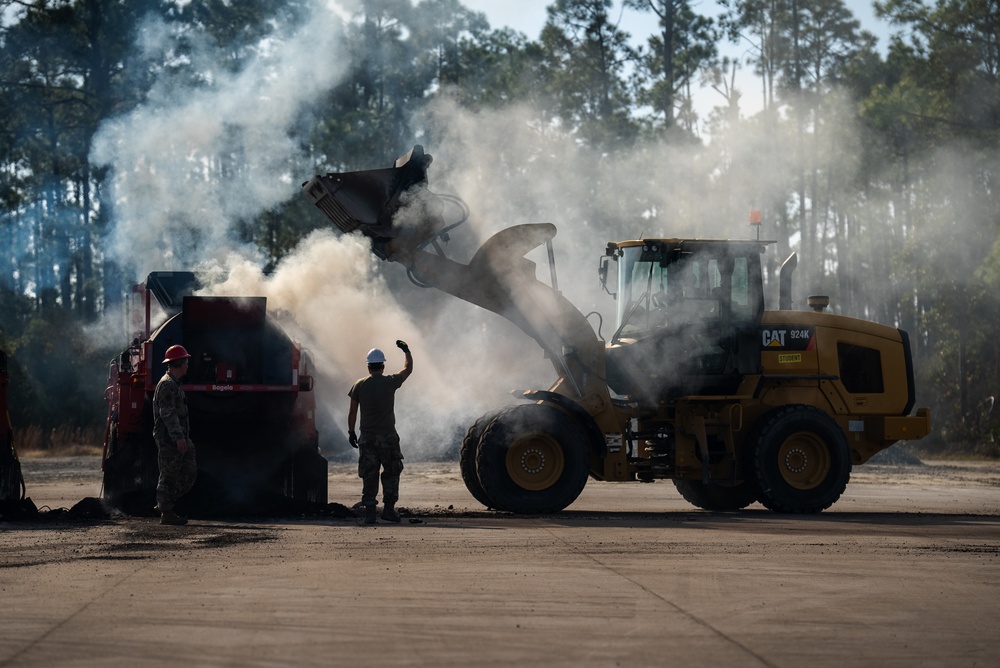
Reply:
x=12, y=492
x=249, y=392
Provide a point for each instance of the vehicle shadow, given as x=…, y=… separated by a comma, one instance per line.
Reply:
x=758, y=520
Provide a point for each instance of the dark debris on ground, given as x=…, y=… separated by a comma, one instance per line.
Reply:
x=24, y=510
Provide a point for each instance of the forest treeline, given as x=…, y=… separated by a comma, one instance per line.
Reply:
x=877, y=163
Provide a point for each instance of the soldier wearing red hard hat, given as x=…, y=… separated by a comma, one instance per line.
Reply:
x=171, y=431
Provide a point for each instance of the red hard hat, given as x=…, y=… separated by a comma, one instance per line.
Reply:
x=175, y=353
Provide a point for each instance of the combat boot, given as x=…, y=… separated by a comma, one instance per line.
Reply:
x=389, y=513
x=170, y=517
x=370, y=515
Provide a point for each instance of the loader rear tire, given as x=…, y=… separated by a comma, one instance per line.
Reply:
x=713, y=496
x=801, y=460
x=467, y=459
x=533, y=460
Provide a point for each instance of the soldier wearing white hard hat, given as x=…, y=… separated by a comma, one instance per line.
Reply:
x=378, y=446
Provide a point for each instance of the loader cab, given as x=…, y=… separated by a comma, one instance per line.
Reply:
x=687, y=316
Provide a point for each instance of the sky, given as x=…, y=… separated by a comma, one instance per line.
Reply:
x=528, y=16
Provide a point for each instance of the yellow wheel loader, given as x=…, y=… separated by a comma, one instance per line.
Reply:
x=699, y=384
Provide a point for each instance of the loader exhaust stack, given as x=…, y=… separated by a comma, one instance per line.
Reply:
x=785, y=282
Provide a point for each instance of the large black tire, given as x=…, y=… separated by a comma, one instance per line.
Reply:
x=307, y=476
x=713, y=496
x=130, y=475
x=801, y=460
x=533, y=459
x=467, y=459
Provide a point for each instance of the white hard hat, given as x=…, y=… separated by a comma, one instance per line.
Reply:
x=375, y=356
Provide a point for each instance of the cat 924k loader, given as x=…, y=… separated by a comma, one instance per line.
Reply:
x=700, y=383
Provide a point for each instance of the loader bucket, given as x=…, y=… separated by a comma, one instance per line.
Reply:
x=368, y=201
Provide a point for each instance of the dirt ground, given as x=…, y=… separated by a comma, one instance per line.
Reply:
x=902, y=571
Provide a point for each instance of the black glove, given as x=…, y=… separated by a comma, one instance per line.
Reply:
x=402, y=346
x=353, y=438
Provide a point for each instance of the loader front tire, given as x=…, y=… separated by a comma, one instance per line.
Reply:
x=533, y=460
x=467, y=459
x=801, y=460
x=713, y=496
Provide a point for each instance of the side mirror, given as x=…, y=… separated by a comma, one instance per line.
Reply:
x=602, y=273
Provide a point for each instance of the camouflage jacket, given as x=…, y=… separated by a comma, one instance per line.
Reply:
x=170, y=411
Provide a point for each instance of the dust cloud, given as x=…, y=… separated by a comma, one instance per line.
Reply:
x=331, y=294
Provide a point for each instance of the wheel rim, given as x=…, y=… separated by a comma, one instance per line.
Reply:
x=804, y=460
x=535, y=461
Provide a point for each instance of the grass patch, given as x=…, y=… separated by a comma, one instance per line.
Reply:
x=972, y=452
x=34, y=442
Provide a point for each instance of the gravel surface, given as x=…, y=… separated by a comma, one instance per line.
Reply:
x=902, y=571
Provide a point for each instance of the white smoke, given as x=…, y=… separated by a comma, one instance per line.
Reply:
x=191, y=162
x=512, y=169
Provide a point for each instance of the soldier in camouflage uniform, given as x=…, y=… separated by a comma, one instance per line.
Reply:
x=175, y=451
x=379, y=443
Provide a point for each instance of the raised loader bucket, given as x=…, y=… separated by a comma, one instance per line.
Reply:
x=368, y=201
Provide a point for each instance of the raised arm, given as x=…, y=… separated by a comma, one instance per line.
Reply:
x=408, y=365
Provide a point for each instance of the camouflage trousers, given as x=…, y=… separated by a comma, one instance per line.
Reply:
x=375, y=451
x=177, y=473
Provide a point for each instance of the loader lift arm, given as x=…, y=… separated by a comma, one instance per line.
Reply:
x=396, y=211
